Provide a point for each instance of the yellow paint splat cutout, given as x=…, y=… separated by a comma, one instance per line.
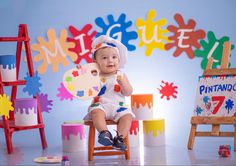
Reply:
x=5, y=105
x=151, y=32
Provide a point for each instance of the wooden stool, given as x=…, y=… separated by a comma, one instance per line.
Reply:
x=104, y=150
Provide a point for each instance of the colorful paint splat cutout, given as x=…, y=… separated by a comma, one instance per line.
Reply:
x=54, y=52
x=45, y=103
x=134, y=128
x=32, y=84
x=117, y=30
x=185, y=37
x=85, y=84
x=82, y=41
x=168, y=90
x=211, y=48
x=63, y=93
x=151, y=34
x=5, y=105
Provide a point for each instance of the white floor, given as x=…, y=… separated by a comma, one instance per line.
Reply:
x=202, y=154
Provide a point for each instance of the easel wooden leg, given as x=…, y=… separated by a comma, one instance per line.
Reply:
x=192, y=136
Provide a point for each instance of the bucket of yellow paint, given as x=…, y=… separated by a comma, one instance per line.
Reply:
x=154, y=132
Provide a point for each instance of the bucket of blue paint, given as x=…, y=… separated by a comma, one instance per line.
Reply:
x=8, y=67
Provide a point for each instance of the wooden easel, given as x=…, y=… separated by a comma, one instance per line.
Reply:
x=210, y=120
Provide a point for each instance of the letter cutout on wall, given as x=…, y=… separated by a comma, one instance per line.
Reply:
x=185, y=36
x=211, y=48
x=117, y=30
x=54, y=51
x=151, y=33
x=82, y=41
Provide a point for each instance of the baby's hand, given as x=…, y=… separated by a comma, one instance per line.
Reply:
x=119, y=77
x=78, y=66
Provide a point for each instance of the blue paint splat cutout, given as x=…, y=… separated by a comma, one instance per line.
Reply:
x=8, y=61
x=32, y=84
x=206, y=99
x=80, y=93
x=117, y=29
x=102, y=91
x=199, y=110
x=121, y=109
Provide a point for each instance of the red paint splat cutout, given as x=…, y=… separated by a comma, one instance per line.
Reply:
x=168, y=90
x=134, y=128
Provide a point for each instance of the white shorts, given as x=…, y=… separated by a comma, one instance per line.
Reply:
x=113, y=112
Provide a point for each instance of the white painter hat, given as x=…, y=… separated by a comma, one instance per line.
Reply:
x=106, y=41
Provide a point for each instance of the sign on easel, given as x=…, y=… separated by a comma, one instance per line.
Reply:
x=216, y=96
x=215, y=100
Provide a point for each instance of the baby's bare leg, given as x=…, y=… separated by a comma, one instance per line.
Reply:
x=98, y=118
x=124, y=125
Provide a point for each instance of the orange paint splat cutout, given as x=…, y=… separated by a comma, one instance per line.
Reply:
x=83, y=83
x=142, y=99
x=168, y=90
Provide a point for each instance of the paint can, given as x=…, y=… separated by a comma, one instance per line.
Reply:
x=134, y=134
x=73, y=137
x=142, y=106
x=8, y=67
x=154, y=132
x=25, y=112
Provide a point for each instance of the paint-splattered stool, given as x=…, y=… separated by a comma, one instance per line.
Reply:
x=103, y=150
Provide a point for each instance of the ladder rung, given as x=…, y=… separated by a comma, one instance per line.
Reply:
x=13, y=39
x=15, y=83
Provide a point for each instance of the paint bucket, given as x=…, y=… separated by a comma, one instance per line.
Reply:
x=73, y=137
x=154, y=132
x=142, y=106
x=25, y=112
x=8, y=67
x=134, y=134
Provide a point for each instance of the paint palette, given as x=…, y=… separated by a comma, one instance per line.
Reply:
x=83, y=83
x=48, y=160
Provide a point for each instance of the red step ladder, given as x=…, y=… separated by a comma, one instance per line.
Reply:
x=9, y=124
